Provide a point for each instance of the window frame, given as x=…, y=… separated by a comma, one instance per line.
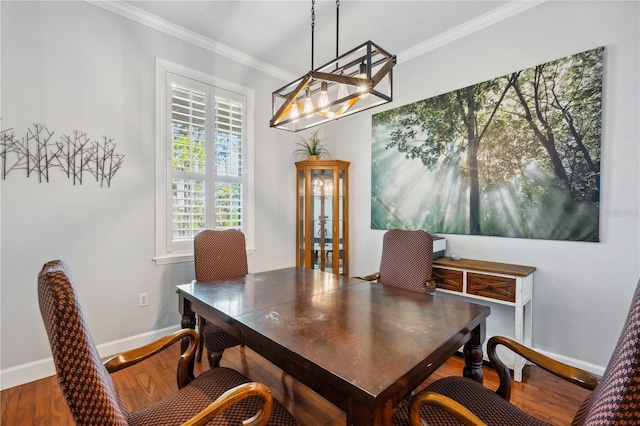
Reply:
x=165, y=253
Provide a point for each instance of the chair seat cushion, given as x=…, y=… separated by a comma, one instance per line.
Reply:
x=481, y=401
x=202, y=391
x=216, y=339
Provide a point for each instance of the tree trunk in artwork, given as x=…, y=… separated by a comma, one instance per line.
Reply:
x=474, y=187
x=467, y=102
x=546, y=137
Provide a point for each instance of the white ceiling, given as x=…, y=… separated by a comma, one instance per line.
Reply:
x=279, y=32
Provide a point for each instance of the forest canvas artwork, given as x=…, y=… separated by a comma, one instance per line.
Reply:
x=516, y=156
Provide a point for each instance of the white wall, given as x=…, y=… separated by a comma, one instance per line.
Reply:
x=581, y=290
x=73, y=65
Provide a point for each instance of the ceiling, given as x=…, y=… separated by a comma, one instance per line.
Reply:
x=278, y=33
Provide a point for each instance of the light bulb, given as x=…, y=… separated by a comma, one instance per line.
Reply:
x=342, y=93
x=323, y=102
x=294, y=114
x=307, y=111
x=363, y=71
x=363, y=89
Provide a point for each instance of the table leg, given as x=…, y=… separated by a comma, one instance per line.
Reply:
x=473, y=354
x=360, y=414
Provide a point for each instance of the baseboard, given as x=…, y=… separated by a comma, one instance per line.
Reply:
x=36, y=370
x=583, y=365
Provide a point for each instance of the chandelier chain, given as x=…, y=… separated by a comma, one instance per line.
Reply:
x=337, y=26
x=313, y=24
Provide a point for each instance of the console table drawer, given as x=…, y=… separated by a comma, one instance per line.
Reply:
x=448, y=279
x=501, y=288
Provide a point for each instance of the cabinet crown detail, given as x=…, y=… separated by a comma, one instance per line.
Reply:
x=322, y=163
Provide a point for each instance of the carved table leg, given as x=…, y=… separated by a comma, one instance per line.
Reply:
x=214, y=358
x=473, y=355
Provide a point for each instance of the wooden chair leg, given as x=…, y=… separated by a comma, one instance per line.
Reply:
x=214, y=358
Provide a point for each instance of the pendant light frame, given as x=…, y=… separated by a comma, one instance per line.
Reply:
x=367, y=73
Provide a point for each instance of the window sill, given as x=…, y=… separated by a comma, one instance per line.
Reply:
x=167, y=259
x=183, y=257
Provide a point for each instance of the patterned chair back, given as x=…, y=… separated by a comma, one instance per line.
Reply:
x=219, y=255
x=407, y=259
x=616, y=399
x=85, y=382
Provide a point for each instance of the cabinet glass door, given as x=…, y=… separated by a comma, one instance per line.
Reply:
x=322, y=218
x=339, y=244
x=301, y=234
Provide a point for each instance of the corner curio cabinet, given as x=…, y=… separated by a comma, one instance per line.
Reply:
x=321, y=215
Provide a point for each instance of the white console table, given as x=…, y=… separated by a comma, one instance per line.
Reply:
x=492, y=283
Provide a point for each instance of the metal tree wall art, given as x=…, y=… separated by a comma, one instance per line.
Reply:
x=516, y=156
x=78, y=156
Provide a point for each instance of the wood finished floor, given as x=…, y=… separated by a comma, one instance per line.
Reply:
x=41, y=403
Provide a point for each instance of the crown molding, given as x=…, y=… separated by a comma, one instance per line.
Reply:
x=499, y=14
x=167, y=27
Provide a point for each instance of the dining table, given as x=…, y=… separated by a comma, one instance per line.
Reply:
x=363, y=346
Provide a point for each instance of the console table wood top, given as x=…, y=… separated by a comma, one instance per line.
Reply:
x=484, y=266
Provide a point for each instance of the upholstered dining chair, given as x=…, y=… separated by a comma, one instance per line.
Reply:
x=220, y=396
x=615, y=399
x=407, y=261
x=218, y=255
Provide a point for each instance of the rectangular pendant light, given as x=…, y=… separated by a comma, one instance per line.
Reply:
x=358, y=80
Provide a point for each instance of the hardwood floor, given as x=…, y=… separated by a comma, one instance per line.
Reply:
x=41, y=403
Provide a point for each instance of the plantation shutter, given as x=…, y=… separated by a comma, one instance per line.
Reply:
x=207, y=173
x=188, y=161
x=229, y=121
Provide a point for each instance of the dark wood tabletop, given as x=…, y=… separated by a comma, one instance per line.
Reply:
x=361, y=345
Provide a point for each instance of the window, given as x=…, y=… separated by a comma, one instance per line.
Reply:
x=204, y=169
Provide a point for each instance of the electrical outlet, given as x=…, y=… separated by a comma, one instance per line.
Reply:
x=143, y=299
